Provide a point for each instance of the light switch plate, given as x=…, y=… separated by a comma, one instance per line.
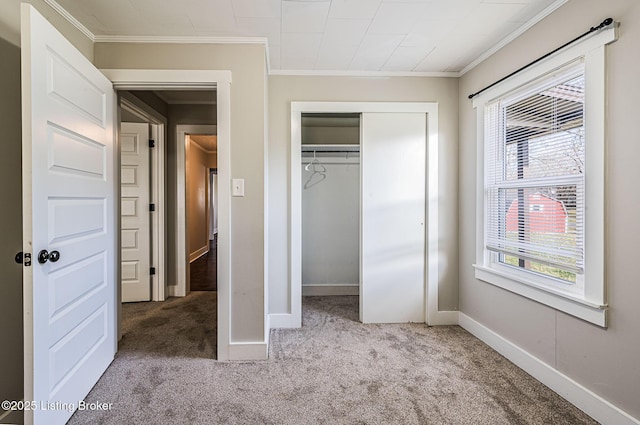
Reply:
x=237, y=187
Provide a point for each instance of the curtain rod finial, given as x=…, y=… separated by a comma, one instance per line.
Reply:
x=603, y=24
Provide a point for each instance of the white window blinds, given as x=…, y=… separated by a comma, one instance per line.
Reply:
x=535, y=174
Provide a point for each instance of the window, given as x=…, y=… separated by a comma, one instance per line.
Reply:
x=541, y=182
x=534, y=142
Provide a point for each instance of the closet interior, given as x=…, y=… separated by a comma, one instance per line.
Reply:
x=330, y=203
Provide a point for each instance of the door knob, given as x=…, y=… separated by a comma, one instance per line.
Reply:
x=19, y=258
x=44, y=256
x=54, y=256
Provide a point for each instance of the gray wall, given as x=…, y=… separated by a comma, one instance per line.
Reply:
x=605, y=361
x=330, y=211
x=248, y=150
x=285, y=89
x=10, y=24
x=331, y=223
x=11, y=387
x=151, y=100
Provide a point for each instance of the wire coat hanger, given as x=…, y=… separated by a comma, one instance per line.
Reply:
x=318, y=172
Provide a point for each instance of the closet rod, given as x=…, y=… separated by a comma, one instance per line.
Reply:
x=330, y=148
x=332, y=151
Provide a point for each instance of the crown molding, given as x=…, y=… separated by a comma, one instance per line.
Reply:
x=71, y=19
x=517, y=33
x=338, y=73
x=264, y=41
x=178, y=39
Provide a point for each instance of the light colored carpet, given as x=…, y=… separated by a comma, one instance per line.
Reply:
x=334, y=370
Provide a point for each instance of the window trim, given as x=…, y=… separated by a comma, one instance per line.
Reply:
x=591, y=306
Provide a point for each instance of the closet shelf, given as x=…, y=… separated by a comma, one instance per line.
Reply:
x=330, y=148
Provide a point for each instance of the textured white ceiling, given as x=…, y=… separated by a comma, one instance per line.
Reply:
x=327, y=35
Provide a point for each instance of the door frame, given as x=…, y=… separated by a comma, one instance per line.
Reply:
x=154, y=79
x=293, y=319
x=213, y=204
x=183, y=282
x=158, y=125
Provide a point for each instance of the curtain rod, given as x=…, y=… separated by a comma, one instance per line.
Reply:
x=603, y=24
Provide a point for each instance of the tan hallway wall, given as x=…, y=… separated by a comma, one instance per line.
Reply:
x=605, y=361
x=179, y=114
x=198, y=164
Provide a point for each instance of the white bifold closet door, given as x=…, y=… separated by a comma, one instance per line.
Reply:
x=392, y=275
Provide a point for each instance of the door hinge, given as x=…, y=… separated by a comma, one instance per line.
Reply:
x=152, y=271
x=152, y=143
x=152, y=207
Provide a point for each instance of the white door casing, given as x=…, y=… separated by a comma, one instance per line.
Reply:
x=220, y=80
x=68, y=206
x=392, y=244
x=135, y=218
x=213, y=204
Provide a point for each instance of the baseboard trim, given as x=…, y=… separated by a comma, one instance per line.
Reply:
x=284, y=321
x=175, y=291
x=330, y=290
x=443, y=318
x=198, y=253
x=584, y=399
x=248, y=351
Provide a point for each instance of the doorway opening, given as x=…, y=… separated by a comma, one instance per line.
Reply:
x=400, y=263
x=330, y=181
x=196, y=155
x=166, y=112
x=201, y=163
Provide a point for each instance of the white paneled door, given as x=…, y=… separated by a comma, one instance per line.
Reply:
x=134, y=210
x=392, y=274
x=69, y=222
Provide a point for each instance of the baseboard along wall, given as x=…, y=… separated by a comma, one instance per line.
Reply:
x=325, y=290
x=248, y=351
x=584, y=399
x=198, y=253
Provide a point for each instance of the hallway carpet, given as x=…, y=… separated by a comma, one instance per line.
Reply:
x=334, y=370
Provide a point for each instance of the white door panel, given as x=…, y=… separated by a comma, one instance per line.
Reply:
x=135, y=218
x=393, y=158
x=69, y=193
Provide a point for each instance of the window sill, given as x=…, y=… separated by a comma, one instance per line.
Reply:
x=583, y=309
